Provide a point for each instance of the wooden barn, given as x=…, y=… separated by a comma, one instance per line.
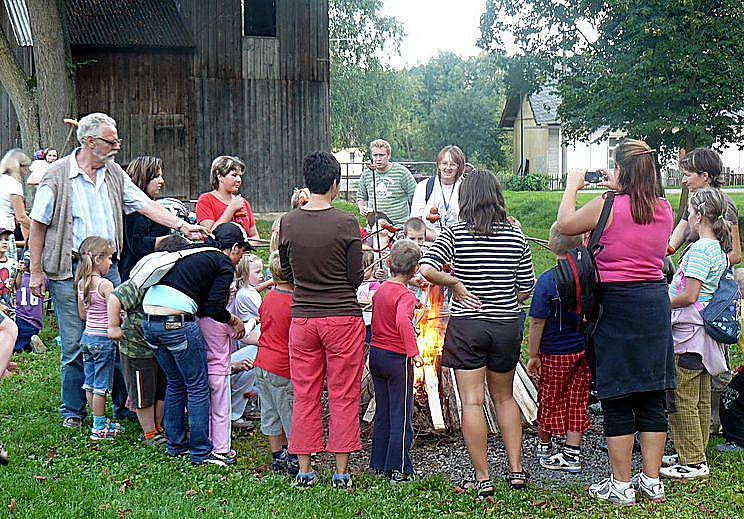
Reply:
x=188, y=80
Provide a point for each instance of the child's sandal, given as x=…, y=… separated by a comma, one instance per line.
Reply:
x=517, y=480
x=483, y=489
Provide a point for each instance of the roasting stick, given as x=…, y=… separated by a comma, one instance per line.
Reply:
x=542, y=243
x=381, y=259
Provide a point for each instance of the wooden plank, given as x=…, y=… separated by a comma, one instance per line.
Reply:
x=369, y=414
x=432, y=394
x=525, y=396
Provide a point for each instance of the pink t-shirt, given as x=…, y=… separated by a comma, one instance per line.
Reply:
x=632, y=251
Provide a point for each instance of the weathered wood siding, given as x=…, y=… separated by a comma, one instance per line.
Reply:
x=10, y=132
x=263, y=99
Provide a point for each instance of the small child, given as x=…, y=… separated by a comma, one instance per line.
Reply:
x=246, y=305
x=558, y=361
x=392, y=356
x=697, y=356
x=415, y=230
x=29, y=310
x=98, y=350
x=272, y=369
x=8, y=267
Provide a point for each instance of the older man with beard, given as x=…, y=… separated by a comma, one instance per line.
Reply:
x=84, y=194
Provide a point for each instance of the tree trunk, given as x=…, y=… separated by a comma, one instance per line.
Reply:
x=55, y=96
x=13, y=79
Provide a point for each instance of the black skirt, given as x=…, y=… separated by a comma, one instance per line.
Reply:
x=632, y=341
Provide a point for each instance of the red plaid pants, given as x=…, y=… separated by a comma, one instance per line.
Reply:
x=563, y=393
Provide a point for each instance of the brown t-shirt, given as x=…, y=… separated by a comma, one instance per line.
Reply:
x=321, y=253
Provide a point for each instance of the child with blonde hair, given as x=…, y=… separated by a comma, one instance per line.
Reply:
x=98, y=350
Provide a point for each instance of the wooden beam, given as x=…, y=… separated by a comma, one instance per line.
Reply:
x=432, y=395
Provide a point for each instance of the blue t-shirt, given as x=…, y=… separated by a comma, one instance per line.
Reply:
x=561, y=335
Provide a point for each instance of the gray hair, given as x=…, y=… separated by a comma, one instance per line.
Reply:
x=560, y=243
x=90, y=125
x=404, y=256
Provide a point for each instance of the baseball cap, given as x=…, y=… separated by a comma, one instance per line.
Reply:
x=229, y=234
x=3, y=230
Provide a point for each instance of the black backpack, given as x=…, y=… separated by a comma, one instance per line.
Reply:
x=577, y=277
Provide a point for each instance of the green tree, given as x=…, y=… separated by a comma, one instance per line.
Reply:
x=668, y=71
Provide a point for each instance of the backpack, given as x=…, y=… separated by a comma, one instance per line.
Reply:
x=152, y=268
x=577, y=277
x=722, y=316
x=429, y=188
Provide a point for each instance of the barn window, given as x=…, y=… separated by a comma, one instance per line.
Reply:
x=259, y=18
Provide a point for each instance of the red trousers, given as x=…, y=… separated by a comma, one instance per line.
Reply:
x=320, y=346
x=563, y=394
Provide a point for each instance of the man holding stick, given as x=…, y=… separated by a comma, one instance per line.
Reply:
x=84, y=194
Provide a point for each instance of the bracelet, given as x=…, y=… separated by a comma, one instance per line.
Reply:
x=671, y=250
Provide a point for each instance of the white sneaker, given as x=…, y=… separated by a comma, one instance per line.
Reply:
x=653, y=491
x=609, y=489
x=544, y=450
x=685, y=471
x=560, y=461
x=669, y=460
x=37, y=345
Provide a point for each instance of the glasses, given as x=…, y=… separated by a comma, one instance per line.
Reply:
x=110, y=142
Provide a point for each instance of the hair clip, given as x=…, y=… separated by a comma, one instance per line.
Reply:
x=647, y=152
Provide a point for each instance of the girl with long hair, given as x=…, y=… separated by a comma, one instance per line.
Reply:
x=632, y=340
x=13, y=166
x=492, y=273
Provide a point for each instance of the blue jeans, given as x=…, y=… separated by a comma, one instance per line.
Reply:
x=25, y=331
x=98, y=363
x=180, y=352
x=64, y=298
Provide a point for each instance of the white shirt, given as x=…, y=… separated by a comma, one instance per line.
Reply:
x=445, y=198
x=8, y=187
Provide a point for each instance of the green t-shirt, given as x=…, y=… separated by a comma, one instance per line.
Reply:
x=133, y=343
x=395, y=189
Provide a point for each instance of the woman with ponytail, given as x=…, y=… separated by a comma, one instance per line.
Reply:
x=632, y=340
x=697, y=356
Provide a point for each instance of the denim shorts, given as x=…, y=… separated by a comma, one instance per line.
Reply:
x=98, y=363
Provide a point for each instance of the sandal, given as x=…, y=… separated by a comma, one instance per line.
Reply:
x=3, y=455
x=483, y=489
x=512, y=479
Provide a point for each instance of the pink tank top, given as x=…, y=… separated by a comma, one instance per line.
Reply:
x=632, y=251
x=96, y=317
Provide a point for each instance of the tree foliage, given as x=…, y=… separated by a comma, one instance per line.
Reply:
x=668, y=71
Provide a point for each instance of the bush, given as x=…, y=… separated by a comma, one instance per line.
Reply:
x=530, y=182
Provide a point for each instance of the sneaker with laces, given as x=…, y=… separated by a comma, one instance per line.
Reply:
x=72, y=422
x=279, y=465
x=212, y=459
x=305, y=480
x=397, y=477
x=341, y=481
x=609, y=490
x=561, y=461
x=669, y=460
x=544, y=450
x=293, y=465
x=653, y=491
x=230, y=457
x=107, y=433
x=685, y=471
x=157, y=440
x=729, y=447
x=37, y=345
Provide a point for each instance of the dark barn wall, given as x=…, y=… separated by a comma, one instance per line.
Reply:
x=10, y=132
x=148, y=94
x=263, y=99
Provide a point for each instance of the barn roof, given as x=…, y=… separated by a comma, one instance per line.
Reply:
x=544, y=103
x=126, y=23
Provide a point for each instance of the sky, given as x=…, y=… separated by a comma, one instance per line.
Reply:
x=436, y=25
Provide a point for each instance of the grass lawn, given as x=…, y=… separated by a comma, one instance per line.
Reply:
x=56, y=472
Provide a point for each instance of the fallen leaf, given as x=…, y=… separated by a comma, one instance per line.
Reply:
x=191, y=493
x=40, y=478
x=461, y=513
x=459, y=490
x=490, y=500
x=121, y=513
x=209, y=492
x=125, y=484
x=11, y=505
x=358, y=512
x=94, y=448
x=51, y=453
x=705, y=509
x=539, y=504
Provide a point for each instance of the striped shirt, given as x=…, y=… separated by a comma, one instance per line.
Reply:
x=494, y=268
x=91, y=208
x=394, y=190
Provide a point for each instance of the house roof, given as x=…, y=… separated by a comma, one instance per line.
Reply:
x=544, y=104
x=126, y=23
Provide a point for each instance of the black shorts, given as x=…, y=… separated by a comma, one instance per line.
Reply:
x=642, y=412
x=475, y=343
x=145, y=380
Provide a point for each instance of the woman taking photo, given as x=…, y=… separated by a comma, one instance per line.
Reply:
x=632, y=340
x=141, y=235
x=13, y=166
x=492, y=273
x=701, y=168
x=225, y=203
x=436, y=199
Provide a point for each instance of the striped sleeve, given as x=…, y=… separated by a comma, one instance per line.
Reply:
x=525, y=271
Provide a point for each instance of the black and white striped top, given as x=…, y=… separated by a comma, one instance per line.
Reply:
x=493, y=268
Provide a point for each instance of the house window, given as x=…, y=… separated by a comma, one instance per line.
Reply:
x=259, y=18
x=611, y=145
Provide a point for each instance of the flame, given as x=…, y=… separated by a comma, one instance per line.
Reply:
x=431, y=331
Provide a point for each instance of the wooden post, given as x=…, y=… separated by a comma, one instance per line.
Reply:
x=432, y=395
